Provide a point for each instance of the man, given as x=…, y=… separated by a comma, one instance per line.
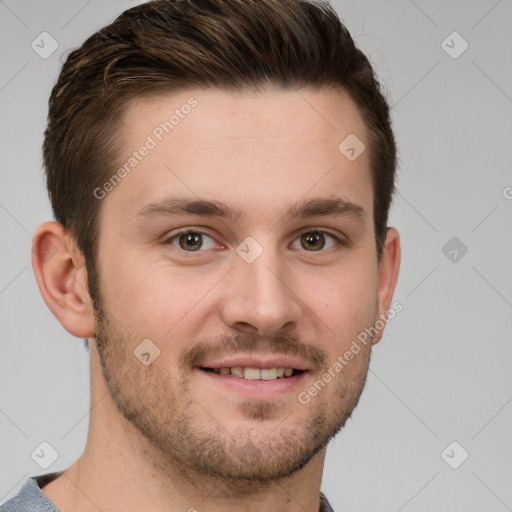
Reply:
x=221, y=173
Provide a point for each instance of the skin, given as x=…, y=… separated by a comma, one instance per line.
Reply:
x=167, y=436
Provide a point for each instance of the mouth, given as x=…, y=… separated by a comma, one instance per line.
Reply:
x=251, y=373
x=250, y=382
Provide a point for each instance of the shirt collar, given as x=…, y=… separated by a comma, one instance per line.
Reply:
x=32, y=489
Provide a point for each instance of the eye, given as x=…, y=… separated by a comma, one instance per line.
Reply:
x=316, y=240
x=191, y=241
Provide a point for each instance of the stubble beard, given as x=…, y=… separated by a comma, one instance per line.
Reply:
x=194, y=443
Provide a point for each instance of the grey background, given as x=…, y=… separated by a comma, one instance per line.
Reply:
x=442, y=371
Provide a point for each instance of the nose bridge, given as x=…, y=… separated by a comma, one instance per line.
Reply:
x=260, y=298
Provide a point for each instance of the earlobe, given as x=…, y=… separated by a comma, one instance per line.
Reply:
x=61, y=276
x=388, y=276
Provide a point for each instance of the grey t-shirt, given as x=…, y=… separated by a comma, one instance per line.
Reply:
x=31, y=499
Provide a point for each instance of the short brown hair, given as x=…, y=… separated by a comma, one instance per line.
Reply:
x=167, y=45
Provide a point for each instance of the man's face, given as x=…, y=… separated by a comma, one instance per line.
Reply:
x=262, y=290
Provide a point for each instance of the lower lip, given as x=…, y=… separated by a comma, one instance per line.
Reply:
x=257, y=388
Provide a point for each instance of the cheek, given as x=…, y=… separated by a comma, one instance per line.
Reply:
x=153, y=298
x=348, y=298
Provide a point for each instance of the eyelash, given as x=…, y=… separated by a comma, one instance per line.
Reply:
x=169, y=241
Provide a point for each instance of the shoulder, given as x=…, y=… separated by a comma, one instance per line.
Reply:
x=325, y=506
x=30, y=498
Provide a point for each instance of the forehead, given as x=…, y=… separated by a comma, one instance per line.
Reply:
x=254, y=150
x=217, y=116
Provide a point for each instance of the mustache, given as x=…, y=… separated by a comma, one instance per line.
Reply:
x=246, y=343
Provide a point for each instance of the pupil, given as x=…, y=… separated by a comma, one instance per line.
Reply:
x=191, y=241
x=313, y=239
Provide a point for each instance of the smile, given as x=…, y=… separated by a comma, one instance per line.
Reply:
x=250, y=373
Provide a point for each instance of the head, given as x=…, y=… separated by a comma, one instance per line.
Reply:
x=243, y=108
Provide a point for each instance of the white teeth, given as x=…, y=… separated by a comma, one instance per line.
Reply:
x=250, y=373
x=268, y=373
x=237, y=371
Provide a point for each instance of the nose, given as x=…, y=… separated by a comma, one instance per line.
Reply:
x=260, y=296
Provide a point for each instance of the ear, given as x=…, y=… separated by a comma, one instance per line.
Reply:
x=388, y=275
x=61, y=276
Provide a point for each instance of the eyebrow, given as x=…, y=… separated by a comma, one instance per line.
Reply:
x=315, y=207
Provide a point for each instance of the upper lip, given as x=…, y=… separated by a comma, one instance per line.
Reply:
x=274, y=361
